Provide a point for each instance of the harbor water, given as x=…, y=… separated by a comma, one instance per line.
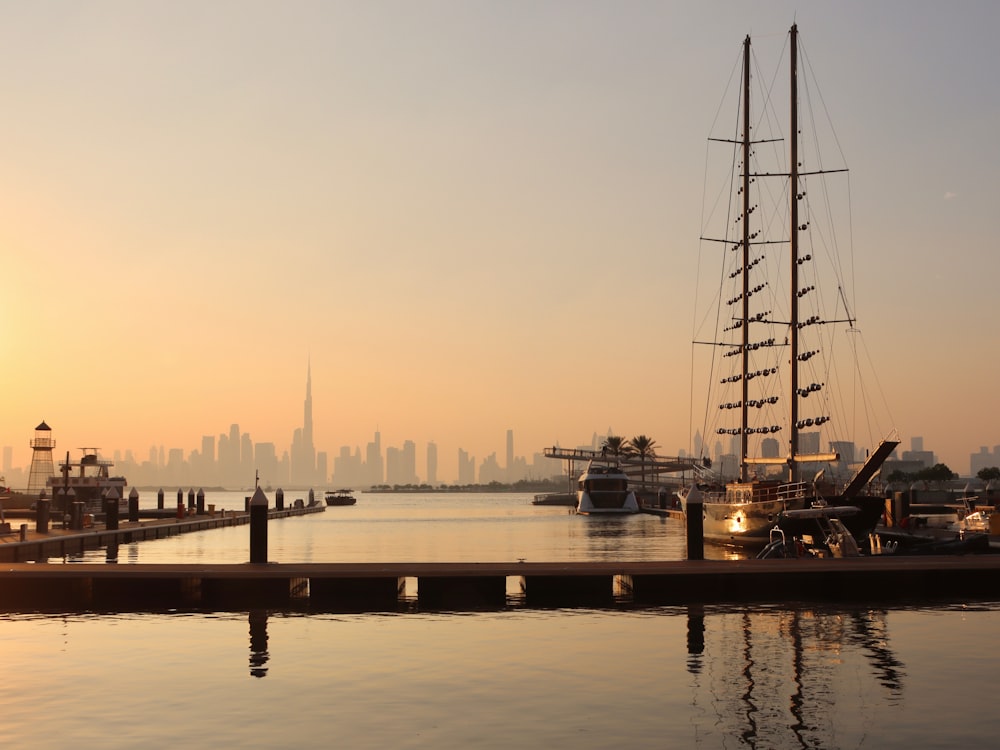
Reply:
x=765, y=676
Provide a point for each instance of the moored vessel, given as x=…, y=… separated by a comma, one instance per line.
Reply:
x=603, y=489
x=87, y=480
x=773, y=342
x=340, y=497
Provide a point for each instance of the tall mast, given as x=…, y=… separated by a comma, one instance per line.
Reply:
x=744, y=437
x=793, y=190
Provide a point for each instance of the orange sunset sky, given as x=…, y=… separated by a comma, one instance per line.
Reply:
x=468, y=216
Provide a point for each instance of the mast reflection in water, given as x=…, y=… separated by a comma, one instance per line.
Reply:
x=793, y=676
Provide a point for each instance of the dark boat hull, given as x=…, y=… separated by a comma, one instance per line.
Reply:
x=750, y=524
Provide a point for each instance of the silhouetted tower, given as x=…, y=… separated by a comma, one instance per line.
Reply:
x=42, y=468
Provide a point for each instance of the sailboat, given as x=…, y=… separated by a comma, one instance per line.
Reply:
x=773, y=403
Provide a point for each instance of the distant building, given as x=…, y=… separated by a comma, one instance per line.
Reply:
x=432, y=463
x=769, y=448
x=466, y=468
x=985, y=459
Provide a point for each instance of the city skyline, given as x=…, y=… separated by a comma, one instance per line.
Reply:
x=467, y=218
x=223, y=459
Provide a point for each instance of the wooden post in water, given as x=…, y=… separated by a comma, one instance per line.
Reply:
x=111, y=509
x=42, y=514
x=191, y=499
x=159, y=499
x=133, y=506
x=76, y=519
x=180, y=504
x=279, y=499
x=695, y=521
x=900, y=507
x=258, y=527
x=201, y=502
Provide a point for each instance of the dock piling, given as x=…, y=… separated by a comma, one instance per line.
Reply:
x=258, y=527
x=111, y=509
x=133, y=506
x=695, y=523
x=42, y=514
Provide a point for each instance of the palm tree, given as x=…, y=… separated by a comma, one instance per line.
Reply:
x=614, y=446
x=642, y=447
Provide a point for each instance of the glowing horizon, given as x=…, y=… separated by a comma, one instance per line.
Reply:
x=469, y=218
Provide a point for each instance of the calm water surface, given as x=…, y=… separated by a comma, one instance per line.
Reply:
x=702, y=676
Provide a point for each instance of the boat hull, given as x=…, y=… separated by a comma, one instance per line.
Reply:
x=603, y=502
x=749, y=524
x=743, y=524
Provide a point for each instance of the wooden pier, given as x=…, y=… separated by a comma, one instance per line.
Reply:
x=29, y=583
x=58, y=542
x=471, y=586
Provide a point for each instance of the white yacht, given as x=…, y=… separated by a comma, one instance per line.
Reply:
x=604, y=489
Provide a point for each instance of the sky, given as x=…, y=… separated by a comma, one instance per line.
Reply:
x=466, y=217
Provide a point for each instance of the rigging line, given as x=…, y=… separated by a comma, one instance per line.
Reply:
x=694, y=322
x=722, y=101
x=878, y=383
x=850, y=236
x=843, y=160
x=716, y=334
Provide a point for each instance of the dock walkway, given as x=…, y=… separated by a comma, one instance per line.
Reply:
x=469, y=586
x=58, y=542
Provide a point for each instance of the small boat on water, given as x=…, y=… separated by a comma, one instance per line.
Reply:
x=340, y=497
x=822, y=531
x=568, y=499
x=772, y=386
x=819, y=531
x=603, y=489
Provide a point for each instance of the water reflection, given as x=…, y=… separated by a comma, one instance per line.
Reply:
x=773, y=677
x=258, y=642
x=695, y=636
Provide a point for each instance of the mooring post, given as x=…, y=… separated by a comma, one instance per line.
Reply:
x=902, y=509
x=312, y=497
x=42, y=514
x=111, y=509
x=695, y=521
x=133, y=506
x=201, y=502
x=279, y=499
x=191, y=499
x=258, y=527
x=76, y=519
x=159, y=499
x=180, y=504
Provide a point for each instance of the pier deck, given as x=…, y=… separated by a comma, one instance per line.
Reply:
x=58, y=542
x=461, y=586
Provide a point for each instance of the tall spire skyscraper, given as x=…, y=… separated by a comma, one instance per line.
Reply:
x=307, y=419
x=303, y=450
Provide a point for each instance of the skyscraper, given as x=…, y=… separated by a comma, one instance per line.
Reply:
x=303, y=458
x=432, y=463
